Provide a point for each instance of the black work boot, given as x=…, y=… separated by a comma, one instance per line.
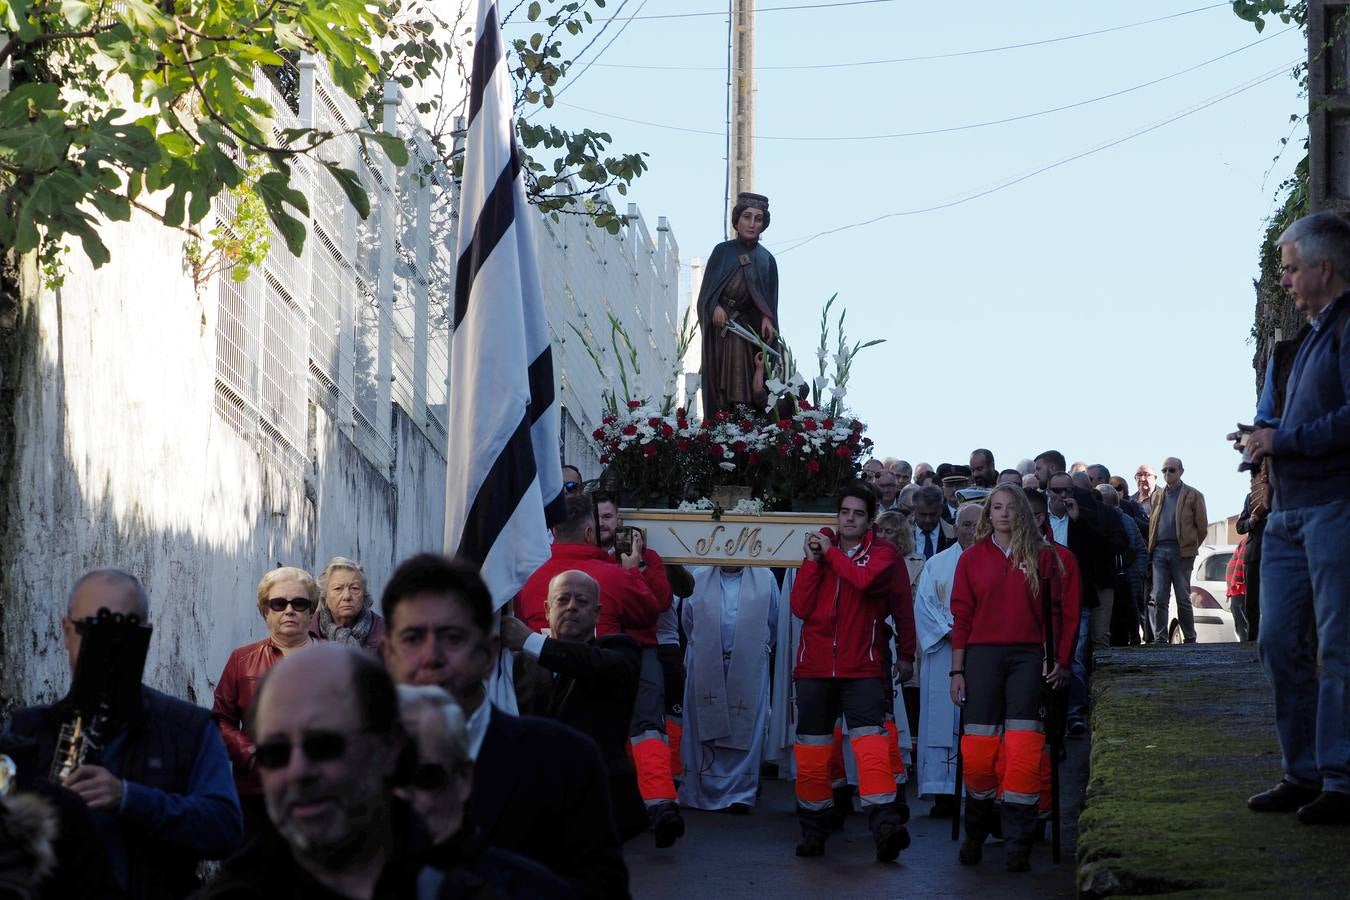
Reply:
x=1019, y=827
x=979, y=814
x=667, y=824
x=843, y=805
x=901, y=804
x=815, y=829
x=888, y=832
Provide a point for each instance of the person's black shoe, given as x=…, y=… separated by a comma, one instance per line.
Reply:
x=1331, y=808
x=1077, y=728
x=1283, y=797
x=944, y=807
x=901, y=807
x=668, y=827
x=971, y=852
x=843, y=805
x=811, y=846
x=890, y=840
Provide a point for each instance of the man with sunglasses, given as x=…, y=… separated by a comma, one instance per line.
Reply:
x=1178, y=524
x=328, y=743
x=160, y=792
x=572, y=482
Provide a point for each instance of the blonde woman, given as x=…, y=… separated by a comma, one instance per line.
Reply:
x=345, y=615
x=286, y=601
x=999, y=666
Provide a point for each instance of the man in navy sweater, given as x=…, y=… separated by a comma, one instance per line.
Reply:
x=1305, y=570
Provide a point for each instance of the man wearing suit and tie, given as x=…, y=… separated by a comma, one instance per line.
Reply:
x=583, y=681
x=931, y=533
x=439, y=614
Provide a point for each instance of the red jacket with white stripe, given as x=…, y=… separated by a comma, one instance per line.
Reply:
x=842, y=602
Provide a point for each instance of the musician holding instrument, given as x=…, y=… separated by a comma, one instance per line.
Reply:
x=737, y=302
x=151, y=768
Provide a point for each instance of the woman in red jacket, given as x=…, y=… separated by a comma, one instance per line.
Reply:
x=999, y=666
x=287, y=598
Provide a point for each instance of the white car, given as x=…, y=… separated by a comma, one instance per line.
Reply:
x=1209, y=598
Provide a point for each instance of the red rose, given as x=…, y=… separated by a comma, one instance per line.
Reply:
x=810, y=425
x=603, y=459
x=784, y=449
x=843, y=452
x=682, y=423
x=754, y=458
x=747, y=426
x=666, y=430
x=785, y=424
x=649, y=450
x=630, y=430
x=610, y=420
x=740, y=446
x=680, y=412
x=722, y=416
x=812, y=466
x=854, y=439
x=598, y=434
x=634, y=404
x=828, y=424
x=682, y=444
x=706, y=424
x=715, y=451
x=805, y=404
x=798, y=440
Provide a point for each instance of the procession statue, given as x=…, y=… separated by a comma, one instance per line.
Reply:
x=738, y=311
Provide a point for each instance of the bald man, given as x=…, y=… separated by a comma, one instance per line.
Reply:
x=590, y=683
x=161, y=791
x=1178, y=524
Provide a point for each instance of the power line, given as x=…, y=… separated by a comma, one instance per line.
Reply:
x=1004, y=185
x=908, y=59
x=573, y=79
x=950, y=128
x=769, y=9
x=595, y=37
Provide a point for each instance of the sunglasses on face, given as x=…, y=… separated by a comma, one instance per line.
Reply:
x=1060, y=491
x=318, y=746
x=1167, y=469
x=278, y=604
x=571, y=487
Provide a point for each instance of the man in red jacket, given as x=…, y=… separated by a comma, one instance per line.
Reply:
x=647, y=731
x=628, y=605
x=842, y=594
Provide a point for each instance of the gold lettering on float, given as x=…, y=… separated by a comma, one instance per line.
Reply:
x=748, y=543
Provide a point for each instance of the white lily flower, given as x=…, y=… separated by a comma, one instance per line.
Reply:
x=837, y=393
x=775, y=387
x=820, y=382
x=840, y=360
x=821, y=353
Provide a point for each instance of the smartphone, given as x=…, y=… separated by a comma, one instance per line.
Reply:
x=623, y=539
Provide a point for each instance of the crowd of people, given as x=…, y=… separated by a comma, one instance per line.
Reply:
x=946, y=622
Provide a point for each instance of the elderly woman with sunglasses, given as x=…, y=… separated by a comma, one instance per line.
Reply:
x=287, y=598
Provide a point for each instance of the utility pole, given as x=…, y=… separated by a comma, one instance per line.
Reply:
x=1329, y=106
x=741, y=134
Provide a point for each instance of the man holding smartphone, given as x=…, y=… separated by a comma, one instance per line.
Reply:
x=842, y=593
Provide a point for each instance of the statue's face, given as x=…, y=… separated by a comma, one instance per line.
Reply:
x=749, y=224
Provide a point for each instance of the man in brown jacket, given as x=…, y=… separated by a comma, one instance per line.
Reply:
x=1176, y=529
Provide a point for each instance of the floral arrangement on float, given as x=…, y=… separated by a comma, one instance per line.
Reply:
x=794, y=454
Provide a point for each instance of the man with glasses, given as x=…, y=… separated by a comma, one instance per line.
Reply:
x=160, y=792
x=889, y=488
x=1147, y=480
x=1177, y=527
x=572, y=482
x=328, y=741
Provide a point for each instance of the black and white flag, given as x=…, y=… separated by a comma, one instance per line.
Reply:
x=504, y=480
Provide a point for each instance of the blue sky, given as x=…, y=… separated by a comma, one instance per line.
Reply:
x=1102, y=307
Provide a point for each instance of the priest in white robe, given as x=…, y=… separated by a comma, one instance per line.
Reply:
x=731, y=621
x=939, y=718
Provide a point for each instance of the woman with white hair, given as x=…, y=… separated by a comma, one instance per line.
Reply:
x=345, y=613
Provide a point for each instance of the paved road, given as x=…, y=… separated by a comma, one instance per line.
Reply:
x=725, y=856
